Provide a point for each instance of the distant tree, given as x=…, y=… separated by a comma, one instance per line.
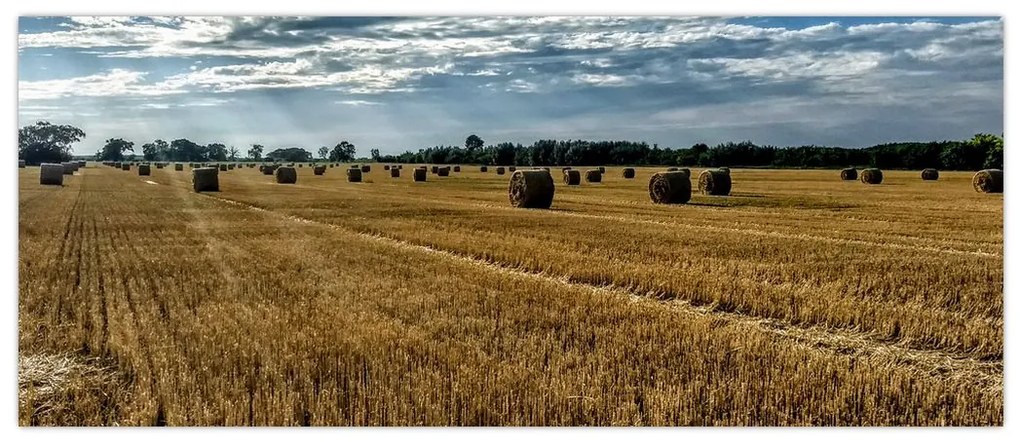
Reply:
x=114, y=150
x=375, y=154
x=44, y=142
x=183, y=149
x=255, y=153
x=232, y=153
x=473, y=142
x=217, y=151
x=993, y=145
x=149, y=151
x=342, y=152
x=292, y=154
x=324, y=152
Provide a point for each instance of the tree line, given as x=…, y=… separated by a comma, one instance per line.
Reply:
x=45, y=142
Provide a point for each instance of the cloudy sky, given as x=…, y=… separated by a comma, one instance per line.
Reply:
x=404, y=83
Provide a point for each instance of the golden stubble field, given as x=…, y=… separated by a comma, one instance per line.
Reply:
x=798, y=300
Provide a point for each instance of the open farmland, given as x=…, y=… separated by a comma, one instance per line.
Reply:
x=799, y=299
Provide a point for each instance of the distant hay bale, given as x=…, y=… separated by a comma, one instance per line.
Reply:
x=848, y=174
x=456, y=168
x=144, y=170
x=572, y=177
x=628, y=172
x=593, y=176
x=21, y=164
x=82, y=164
x=159, y=165
x=602, y=169
x=724, y=169
x=988, y=181
x=419, y=174
x=51, y=174
x=251, y=165
x=714, y=182
x=443, y=171
x=330, y=166
x=230, y=167
x=178, y=167
x=394, y=173
x=672, y=169
x=386, y=167
x=512, y=168
x=223, y=167
x=400, y=166
x=354, y=175
x=319, y=170
x=286, y=175
x=871, y=176
x=566, y=168
x=483, y=169
x=670, y=187
x=205, y=179
x=68, y=168
x=929, y=174
x=531, y=189
x=366, y=168
x=500, y=170
x=125, y=166
x=435, y=170
x=268, y=169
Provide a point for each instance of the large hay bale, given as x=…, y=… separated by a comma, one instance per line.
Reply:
x=628, y=172
x=714, y=182
x=848, y=174
x=319, y=170
x=988, y=181
x=366, y=168
x=532, y=189
x=144, y=170
x=419, y=174
x=205, y=179
x=483, y=169
x=593, y=176
x=286, y=175
x=69, y=167
x=871, y=176
x=456, y=168
x=354, y=175
x=670, y=187
x=51, y=174
x=500, y=170
x=572, y=177
x=443, y=171
x=178, y=167
x=394, y=172
x=929, y=174
x=21, y=164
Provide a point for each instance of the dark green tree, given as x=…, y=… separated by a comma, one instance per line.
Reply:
x=44, y=142
x=255, y=153
x=114, y=150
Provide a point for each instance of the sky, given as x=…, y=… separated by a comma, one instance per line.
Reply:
x=404, y=83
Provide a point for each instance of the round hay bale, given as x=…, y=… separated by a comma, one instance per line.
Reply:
x=724, y=169
x=572, y=177
x=419, y=174
x=848, y=174
x=512, y=168
x=988, y=181
x=443, y=171
x=144, y=170
x=51, y=174
x=628, y=172
x=531, y=189
x=670, y=187
x=223, y=167
x=330, y=166
x=483, y=169
x=394, y=173
x=69, y=168
x=714, y=182
x=602, y=169
x=400, y=166
x=871, y=176
x=366, y=168
x=593, y=176
x=456, y=168
x=178, y=167
x=386, y=167
x=269, y=169
x=205, y=179
x=286, y=175
x=82, y=164
x=500, y=170
x=159, y=165
x=353, y=175
x=435, y=170
x=929, y=174
x=319, y=170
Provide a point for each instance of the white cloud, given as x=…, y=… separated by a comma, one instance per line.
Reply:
x=115, y=82
x=359, y=102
